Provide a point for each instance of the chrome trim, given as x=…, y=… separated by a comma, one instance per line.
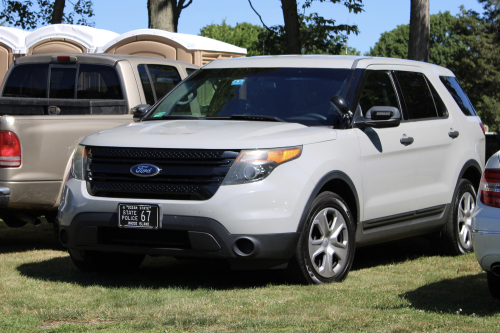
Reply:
x=485, y=232
x=4, y=191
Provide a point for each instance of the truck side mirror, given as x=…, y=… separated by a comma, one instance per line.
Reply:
x=140, y=111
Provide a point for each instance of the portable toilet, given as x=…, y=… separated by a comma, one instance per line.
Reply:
x=12, y=45
x=66, y=38
x=194, y=49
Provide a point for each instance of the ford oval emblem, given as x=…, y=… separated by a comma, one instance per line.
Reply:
x=145, y=170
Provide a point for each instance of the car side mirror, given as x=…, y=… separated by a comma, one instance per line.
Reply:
x=341, y=104
x=140, y=111
x=378, y=117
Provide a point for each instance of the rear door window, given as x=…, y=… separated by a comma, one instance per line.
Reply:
x=417, y=95
x=456, y=91
x=98, y=82
x=28, y=81
x=159, y=81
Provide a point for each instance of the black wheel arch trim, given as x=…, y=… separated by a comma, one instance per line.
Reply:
x=467, y=165
x=332, y=175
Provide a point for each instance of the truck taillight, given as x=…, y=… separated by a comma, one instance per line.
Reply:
x=489, y=189
x=10, y=150
x=482, y=128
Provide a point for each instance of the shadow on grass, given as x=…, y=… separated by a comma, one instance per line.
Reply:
x=156, y=273
x=192, y=274
x=465, y=295
x=392, y=252
x=27, y=238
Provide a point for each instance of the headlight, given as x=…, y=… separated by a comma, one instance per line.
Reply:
x=79, y=163
x=254, y=165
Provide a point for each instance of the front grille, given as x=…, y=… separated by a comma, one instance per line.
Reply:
x=171, y=239
x=186, y=174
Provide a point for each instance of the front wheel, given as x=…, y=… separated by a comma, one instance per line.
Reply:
x=325, y=250
x=456, y=236
x=94, y=261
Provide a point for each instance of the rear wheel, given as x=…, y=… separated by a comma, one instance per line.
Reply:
x=12, y=221
x=494, y=285
x=325, y=250
x=94, y=261
x=456, y=236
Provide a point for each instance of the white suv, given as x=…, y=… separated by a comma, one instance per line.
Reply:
x=280, y=162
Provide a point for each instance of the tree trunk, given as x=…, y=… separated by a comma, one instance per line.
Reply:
x=162, y=15
x=292, y=26
x=57, y=11
x=418, y=48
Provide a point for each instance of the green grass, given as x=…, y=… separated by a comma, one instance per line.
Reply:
x=397, y=287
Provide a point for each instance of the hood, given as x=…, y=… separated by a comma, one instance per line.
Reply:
x=210, y=134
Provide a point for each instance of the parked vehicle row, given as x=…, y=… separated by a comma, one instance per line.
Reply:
x=280, y=162
x=49, y=103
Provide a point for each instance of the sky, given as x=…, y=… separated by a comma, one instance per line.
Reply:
x=379, y=16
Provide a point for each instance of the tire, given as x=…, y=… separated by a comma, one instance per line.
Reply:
x=12, y=221
x=493, y=284
x=93, y=261
x=325, y=250
x=456, y=235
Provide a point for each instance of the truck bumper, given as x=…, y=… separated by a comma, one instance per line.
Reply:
x=4, y=197
x=30, y=195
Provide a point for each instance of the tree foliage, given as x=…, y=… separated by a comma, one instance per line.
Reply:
x=31, y=14
x=469, y=45
x=243, y=35
x=317, y=35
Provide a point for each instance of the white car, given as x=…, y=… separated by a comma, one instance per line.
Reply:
x=280, y=162
x=486, y=224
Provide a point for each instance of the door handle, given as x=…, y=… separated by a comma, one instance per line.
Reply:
x=453, y=134
x=406, y=141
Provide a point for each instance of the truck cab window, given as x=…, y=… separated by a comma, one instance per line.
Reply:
x=157, y=81
x=62, y=82
x=28, y=81
x=98, y=82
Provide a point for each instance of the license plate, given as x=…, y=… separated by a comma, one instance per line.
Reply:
x=138, y=216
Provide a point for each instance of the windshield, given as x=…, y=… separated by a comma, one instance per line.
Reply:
x=300, y=95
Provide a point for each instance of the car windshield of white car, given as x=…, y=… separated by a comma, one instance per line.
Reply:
x=300, y=95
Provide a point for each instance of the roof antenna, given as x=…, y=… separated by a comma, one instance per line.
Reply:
x=265, y=26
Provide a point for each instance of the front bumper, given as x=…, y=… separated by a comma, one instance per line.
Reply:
x=486, y=235
x=180, y=236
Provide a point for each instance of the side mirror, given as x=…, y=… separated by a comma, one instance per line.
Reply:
x=140, y=111
x=341, y=104
x=379, y=117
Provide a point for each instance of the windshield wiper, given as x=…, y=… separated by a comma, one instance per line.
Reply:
x=169, y=117
x=248, y=117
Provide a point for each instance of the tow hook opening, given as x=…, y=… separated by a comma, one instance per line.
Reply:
x=63, y=237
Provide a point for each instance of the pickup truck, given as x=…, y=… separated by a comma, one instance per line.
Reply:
x=49, y=103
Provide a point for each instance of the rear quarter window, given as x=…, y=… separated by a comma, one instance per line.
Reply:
x=460, y=97
x=29, y=81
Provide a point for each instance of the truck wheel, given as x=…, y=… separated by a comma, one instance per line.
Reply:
x=12, y=221
x=325, y=250
x=94, y=261
x=456, y=235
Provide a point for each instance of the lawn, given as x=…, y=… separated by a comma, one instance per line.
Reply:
x=397, y=287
